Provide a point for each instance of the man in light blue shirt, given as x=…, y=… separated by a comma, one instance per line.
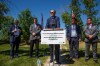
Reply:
x=73, y=31
x=73, y=36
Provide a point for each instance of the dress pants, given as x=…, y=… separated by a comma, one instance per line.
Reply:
x=57, y=52
x=94, y=49
x=14, y=46
x=74, y=47
x=36, y=42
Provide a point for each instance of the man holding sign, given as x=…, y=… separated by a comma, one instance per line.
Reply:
x=52, y=23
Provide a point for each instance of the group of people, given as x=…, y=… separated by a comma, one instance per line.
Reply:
x=74, y=35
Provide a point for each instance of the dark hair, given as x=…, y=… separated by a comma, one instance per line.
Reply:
x=16, y=21
x=89, y=18
x=35, y=18
x=74, y=19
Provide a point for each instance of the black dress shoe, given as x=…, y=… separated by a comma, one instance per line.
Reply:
x=58, y=62
x=96, y=61
x=51, y=61
x=77, y=57
x=86, y=60
x=30, y=56
x=16, y=56
x=11, y=57
x=36, y=56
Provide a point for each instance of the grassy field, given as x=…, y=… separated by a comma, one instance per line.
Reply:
x=24, y=59
x=81, y=60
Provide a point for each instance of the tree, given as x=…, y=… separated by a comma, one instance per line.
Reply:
x=66, y=18
x=3, y=10
x=75, y=7
x=90, y=9
x=7, y=22
x=25, y=20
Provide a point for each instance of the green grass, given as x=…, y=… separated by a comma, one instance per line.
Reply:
x=81, y=61
x=23, y=60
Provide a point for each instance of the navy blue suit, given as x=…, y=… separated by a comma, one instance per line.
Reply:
x=14, y=40
x=54, y=22
x=74, y=41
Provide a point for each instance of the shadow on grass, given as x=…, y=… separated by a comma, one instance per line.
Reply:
x=65, y=58
x=4, y=42
x=23, y=52
x=44, y=52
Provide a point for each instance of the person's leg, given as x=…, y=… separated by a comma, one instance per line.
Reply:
x=87, y=50
x=12, y=49
x=16, y=51
x=76, y=48
x=37, y=47
x=17, y=42
x=71, y=49
x=94, y=49
x=51, y=52
x=31, y=47
x=57, y=53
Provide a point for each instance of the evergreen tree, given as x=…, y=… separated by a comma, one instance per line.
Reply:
x=75, y=7
x=25, y=20
x=90, y=10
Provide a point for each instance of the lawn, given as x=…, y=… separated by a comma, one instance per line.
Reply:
x=80, y=61
x=23, y=59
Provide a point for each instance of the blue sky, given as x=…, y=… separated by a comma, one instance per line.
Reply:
x=43, y=6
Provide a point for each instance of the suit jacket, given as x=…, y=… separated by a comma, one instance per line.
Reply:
x=78, y=30
x=36, y=30
x=93, y=31
x=12, y=36
x=53, y=22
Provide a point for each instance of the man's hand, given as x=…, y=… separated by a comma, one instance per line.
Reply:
x=90, y=36
x=19, y=30
x=33, y=34
x=80, y=40
x=14, y=30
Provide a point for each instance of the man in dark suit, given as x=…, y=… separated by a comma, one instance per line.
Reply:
x=53, y=22
x=35, y=30
x=74, y=36
x=91, y=37
x=15, y=38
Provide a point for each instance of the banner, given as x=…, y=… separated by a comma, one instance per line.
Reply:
x=53, y=37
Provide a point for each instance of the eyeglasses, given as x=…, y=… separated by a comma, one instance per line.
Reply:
x=51, y=12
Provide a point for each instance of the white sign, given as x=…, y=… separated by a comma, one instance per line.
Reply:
x=53, y=37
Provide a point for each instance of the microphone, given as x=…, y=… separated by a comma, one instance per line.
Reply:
x=53, y=24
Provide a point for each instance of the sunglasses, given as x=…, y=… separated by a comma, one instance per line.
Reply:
x=51, y=12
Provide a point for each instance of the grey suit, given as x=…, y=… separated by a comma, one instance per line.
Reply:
x=36, y=30
x=34, y=39
x=91, y=31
